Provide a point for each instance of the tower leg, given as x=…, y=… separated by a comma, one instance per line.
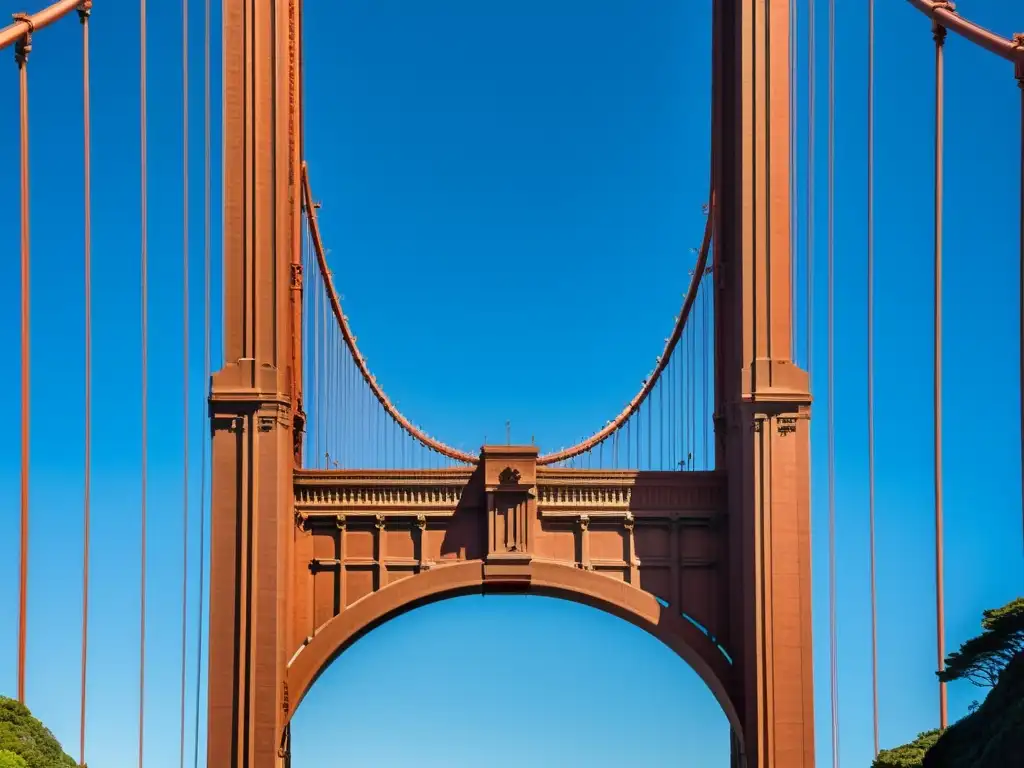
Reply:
x=252, y=396
x=762, y=398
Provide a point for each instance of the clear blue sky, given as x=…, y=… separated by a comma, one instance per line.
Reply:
x=559, y=147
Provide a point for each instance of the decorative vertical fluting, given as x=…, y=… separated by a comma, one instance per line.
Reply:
x=381, y=555
x=630, y=550
x=251, y=407
x=584, y=524
x=763, y=400
x=421, y=540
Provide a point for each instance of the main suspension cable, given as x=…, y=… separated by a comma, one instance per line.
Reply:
x=939, y=33
x=871, y=367
x=145, y=332
x=83, y=14
x=21, y=51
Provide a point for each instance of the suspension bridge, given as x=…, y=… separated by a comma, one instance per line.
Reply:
x=325, y=509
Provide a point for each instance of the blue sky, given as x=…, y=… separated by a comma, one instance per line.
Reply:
x=530, y=174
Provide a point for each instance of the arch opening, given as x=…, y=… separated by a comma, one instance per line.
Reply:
x=551, y=580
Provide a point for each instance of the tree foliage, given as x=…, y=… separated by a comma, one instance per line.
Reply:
x=908, y=755
x=983, y=658
x=993, y=735
x=24, y=738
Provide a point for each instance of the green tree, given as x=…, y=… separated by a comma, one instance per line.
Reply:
x=991, y=735
x=909, y=755
x=983, y=658
x=27, y=739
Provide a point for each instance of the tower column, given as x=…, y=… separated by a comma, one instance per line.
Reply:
x=252, y=397
x=762, y=399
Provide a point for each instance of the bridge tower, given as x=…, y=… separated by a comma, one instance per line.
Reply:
x=254, y=400
x=762, y=397
x=263, y=654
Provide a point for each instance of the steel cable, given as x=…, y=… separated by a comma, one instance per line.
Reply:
x=21, y=52
x=184, y=372
x=144, y=355
x=83, y=13
x=871, y=366
x=206, y=374
x=939, y=33
x=833, y=640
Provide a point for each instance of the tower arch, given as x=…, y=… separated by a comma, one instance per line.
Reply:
x=639, y=608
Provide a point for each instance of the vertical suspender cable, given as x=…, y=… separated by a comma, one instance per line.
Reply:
x=145, y=333
x=310, y=351
x=336, y=366
x=707, y=365
x=368, y=428
x=809, y=245
x=670, y=370
x=939, y=33
x=365, y=420
x=674, y=393
x=833, y=646
x=810, y=232
x=1019, y=38
x=328, y=386
x=314, y=322
x=303, y=295
x=677, y=403
x=661, y=423
x=681, y=404
x=321, y=417
x=206, y=372
x=184, y=372
x=691, y=345
x=21, y=51
x=871, y=367
x=650, y=434
x=335, y=363
x=340, y=403
x=83, y=15
x=693, y=383
x=686, y=394
x=335, y=347
x=339, y=362
x=352, y=409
